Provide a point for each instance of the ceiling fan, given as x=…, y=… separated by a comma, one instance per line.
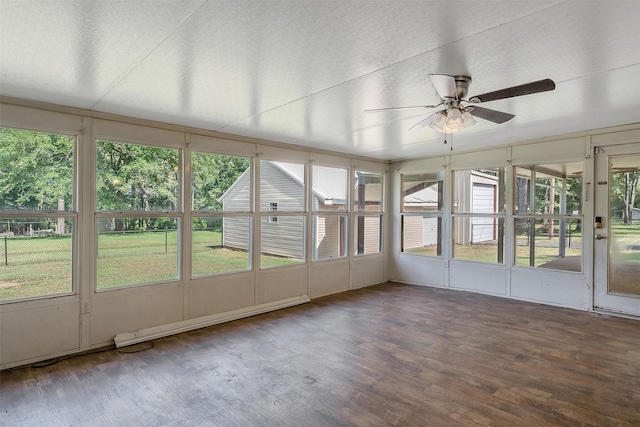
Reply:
x=456, y=114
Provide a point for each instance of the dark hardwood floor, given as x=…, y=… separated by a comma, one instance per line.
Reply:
x=384, y=355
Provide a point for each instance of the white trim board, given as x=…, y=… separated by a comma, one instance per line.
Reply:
x=147, y=334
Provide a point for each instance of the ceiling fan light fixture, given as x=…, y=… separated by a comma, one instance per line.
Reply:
x=438, y=121
x=454, y=119
x=468, y=120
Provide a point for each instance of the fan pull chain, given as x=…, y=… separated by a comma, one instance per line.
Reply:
x=445, y=137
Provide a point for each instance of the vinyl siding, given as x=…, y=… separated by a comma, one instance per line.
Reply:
x=326, y=231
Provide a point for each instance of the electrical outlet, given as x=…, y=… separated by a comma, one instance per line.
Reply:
x=86, y=307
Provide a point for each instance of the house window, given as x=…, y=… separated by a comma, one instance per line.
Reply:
x=548, y=219
x=282, y=213
x=369, y=212
x=221, y=228
x=37, y=214
x=329, y=204
x=273, y=207
x=479, y=215
x=138, y=214
x=422, y=207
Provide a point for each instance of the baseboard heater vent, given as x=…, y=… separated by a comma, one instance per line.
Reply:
x=129, y=338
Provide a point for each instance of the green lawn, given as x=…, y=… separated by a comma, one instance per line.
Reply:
x=38, y=266
x=625, y=242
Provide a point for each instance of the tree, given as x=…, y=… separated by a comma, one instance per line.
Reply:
x=133, y=177
x=624, y=188
x=36, y=172
x=212, y=175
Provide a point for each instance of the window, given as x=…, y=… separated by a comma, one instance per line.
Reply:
x=37, y=214
x=421, y=206
x=369, y=210
x=548, y=216
x=282, y=236
x=221, y=239
x=329, y=204
x=479, y=215
x=138, y=213
x=273, y=207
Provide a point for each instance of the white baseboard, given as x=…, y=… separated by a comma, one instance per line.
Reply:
x=129, y=338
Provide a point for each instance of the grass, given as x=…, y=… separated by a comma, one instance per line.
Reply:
x=41, y=266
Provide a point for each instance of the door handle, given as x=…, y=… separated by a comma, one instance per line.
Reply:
x=599, y=237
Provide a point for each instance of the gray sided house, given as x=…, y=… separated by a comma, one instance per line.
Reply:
x=281, y=190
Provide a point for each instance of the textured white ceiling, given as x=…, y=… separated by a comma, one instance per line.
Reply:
x=303, y=72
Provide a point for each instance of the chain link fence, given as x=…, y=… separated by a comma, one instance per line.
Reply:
x=31, y=242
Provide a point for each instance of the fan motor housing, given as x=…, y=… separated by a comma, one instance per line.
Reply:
x=462, y=86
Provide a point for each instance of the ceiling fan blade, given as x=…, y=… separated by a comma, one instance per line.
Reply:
x=377, y=110
x=422, y=123
x=525, y=89
x=491, y=115
x=444, y=85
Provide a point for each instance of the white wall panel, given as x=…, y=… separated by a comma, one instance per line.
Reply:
x=330, y=161
x=421, y=270
x=40, y=332
x=221, y=146
x=40, y=120
x=549, y=287
x=621, y=137
x=127, y=310
x=481, y=159
x=478, y=277
x=218, y=294
x=275, y=284
x=368, y=270
x=125, y=132
x=328, y=277
x=421, y=165
x=565, y=150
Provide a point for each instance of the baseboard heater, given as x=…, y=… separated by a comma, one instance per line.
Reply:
x=147, y=334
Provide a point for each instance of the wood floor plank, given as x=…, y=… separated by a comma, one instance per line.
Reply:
x=390, y=354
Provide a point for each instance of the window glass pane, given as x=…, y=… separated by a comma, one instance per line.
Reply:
x=547, y=195
x=329, y=236
x=551, y=243
x=368, y=234
x=368, y=194
x=36, y=170
x=329, y=189
x=479, y=191
x=624, y=229
x=558, y=189
x=523, y=191
x=283, y=184
x=35, y=257
x=133, y=251
x=283, y=241
x=220, y=245
x=422, y=192
x=133, y=177
x=422, y=235
x=220, y=182
x=479, y=239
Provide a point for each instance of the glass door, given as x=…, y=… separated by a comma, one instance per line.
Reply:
x=617, y=229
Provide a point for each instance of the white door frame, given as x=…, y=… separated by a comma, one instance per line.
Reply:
x=602, y=298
